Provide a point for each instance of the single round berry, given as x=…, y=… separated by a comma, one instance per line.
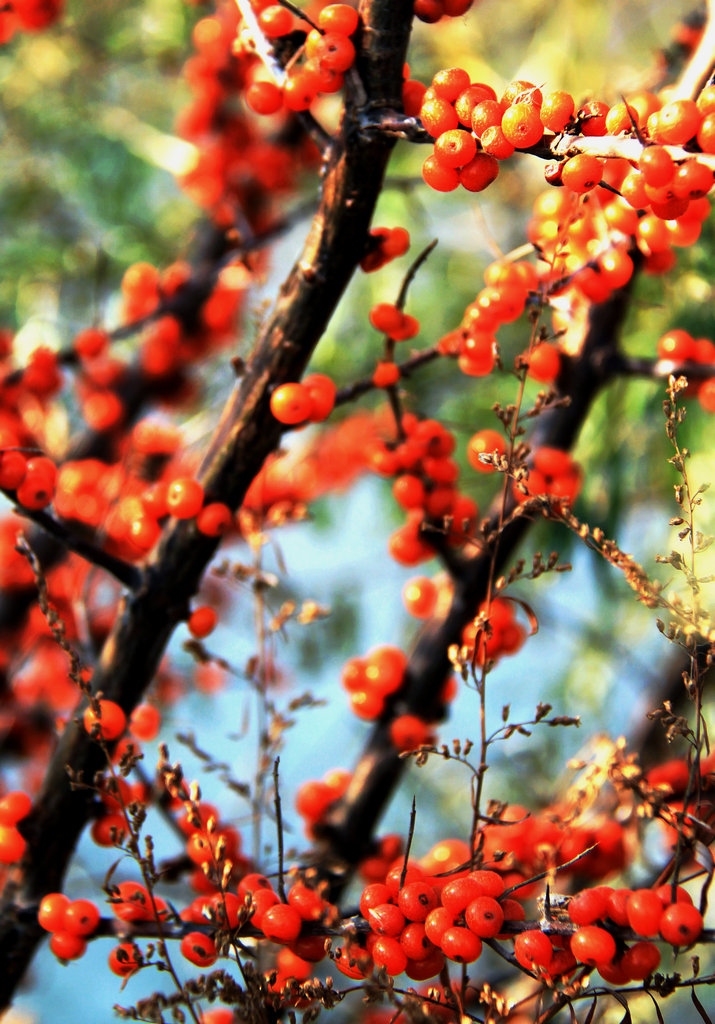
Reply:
x=67, y=946
x=388, y=953
x=461, y=945
x=593, y=945
x=52, y=911
x=291, y=404
x=184, y=498
x=108, y=721
x=125, y=959
x=644, y=911
x=199, y=949
x=14, y=807
x=281, y=923
x=81, y=917
x=484, y=916
x=681, y=924
x=533, y=949
x=202, y=621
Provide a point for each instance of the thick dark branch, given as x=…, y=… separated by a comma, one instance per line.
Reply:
x=246, y=434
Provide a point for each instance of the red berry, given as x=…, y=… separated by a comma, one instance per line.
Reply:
x=81, y=917
x=199, y=949
x=640, y=960
x=533, y=949
x=388, y=953
x=214, y=519
x=202, y=621
x=109, y=721
x=67, y=946
x=644, y=911
x=484, y=916
x=281, y=923
x=14, y=807
x=145, y=722
x=52, y=911
x=681, y=924
x=592, y=945
x=588, y=906
x=184, y=498
x=386, y=919
x=125, y=959
x=461, y=945
x=417, y=899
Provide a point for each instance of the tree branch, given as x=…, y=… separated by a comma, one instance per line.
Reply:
x=246, y=434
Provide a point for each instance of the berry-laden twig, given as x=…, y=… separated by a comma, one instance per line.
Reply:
x=247, y=432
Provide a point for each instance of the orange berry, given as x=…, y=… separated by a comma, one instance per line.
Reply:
x=468, y=99
x=214, y=519
x=199, y=949
x=335, y=52
x=125, y=959
x=485, y=442
x=322, y=391
x=184, y=497
x=521, y=91
x=581, y=173
x=656, y=165
x=91, y=342
x=522, y=125
x=495, y=143
x=455, y=147
x=449, y=83
x=144, y=722
x=14, y=807
x=544, y=362
x=419, y=596
x=386, y=375
x=52, y=911
x=407, y=732
x=109, y=722
x=291, y=404
x=12, y=845
x=479, y=173
x=275, y=20
x=338, y=18
x=437, y=115
x=678, y=122
x=592, y=116
x=202, y=621
x=486, y=114
x=557, y=110
x=67, y=946
x=264, y=97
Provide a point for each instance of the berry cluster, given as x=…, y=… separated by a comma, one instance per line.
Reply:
x=417, y=920
x=310, y=401
x=678, y=346
x=14, y=806
x=425, y=487
x=70, y=924
x=315, y=798
x=28, y=16
x=432, y=11
x=553, y=472
x=328, y=50
x=494, y=632
x=384, y=245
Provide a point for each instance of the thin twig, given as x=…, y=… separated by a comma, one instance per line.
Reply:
x=279, y=829
x=408, y=844
x=126, y=573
